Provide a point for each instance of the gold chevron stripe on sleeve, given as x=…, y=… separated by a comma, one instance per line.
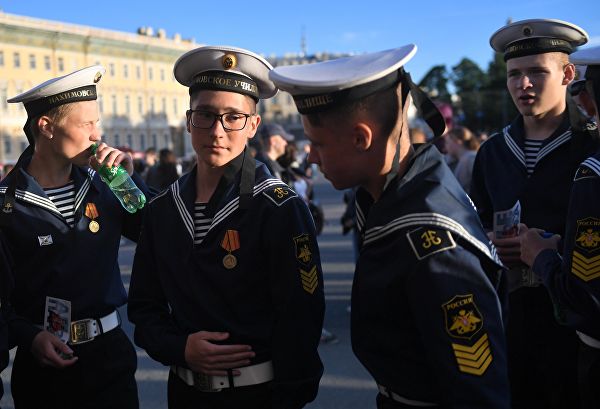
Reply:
x=580, y=256
x=474, y=359
x=585, y=269
x=310, y=280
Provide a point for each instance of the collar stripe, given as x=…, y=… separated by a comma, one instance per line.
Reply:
x=513, y=146
x=565, y=137
x=188, y=221
x=435, y=219
x=34, y=199
x=593, y=164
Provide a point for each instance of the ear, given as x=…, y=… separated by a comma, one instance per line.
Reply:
x=188, y=115
x=362, y=136
x=568, y=74
x=255, y=121
x=45, y=126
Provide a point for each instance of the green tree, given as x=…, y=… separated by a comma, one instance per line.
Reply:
x=435, y=83
x=469, y=80
x=499, y=109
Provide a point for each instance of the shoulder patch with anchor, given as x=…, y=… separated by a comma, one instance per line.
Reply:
x=279, y=194
x=428, y=240
x=590, y=168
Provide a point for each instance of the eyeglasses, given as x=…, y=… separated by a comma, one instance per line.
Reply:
x=231, y=121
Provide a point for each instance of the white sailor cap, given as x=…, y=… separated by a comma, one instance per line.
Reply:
x=77, y=86
x=321, y=86
x=227, y=69
x=74, y=87
x=590, y=57
x=316, y=87
x=537, y=36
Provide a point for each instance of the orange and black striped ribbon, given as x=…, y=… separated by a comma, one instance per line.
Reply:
x=231, y=241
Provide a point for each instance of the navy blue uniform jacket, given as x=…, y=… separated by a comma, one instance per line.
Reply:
x=272, y=299
x=52, y=259
x=427, y=316
x=573, y=281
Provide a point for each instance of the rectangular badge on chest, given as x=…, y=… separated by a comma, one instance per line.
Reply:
x=57, y=318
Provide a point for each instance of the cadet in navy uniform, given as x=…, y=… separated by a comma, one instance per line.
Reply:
x=533, y=161
x=426, y=315
x=226, y=285
x=63, y=226
x=573, y=280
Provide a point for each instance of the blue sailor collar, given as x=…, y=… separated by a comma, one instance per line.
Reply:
x=29, y=190
x=514, y=137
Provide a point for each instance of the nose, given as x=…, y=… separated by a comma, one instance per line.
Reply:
x=524, y=82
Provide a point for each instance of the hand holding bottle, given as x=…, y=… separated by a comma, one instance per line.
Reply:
x=117, y=177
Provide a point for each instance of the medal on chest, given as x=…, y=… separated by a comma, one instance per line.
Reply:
x=91, y=212
x=231, y=242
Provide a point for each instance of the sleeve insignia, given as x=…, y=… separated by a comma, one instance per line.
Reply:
x=585, y=263
x=303, y=249
x=474, y=359
x=463, y=319
x=279, y=194
x=426, y=241
x=584, y=172
x=310, y=279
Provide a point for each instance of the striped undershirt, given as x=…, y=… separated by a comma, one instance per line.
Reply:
x=201, y=222
x=532, y=148
x=64, y=200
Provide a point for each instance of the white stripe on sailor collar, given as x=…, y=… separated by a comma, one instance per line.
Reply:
x=560, y=140
x=593, y=164
x=224, y=212
x=513, y=146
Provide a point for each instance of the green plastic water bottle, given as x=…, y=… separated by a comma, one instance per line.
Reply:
x=121, y=184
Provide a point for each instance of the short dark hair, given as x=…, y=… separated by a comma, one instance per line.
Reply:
x=382, y=107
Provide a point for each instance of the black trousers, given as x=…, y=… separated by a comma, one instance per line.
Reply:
x=589, y=376
x=183, y=396
x=102, y=378
x=542, y=354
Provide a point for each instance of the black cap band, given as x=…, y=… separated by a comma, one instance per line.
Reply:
x=537, y=45
x=225, y=81
x=43, y=105
x=308, y=104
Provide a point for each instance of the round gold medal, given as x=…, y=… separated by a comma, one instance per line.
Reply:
x=229, y=261
x=94, y=226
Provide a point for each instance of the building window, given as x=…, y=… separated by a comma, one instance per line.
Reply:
x=166, y=138
x=150, y=73
x=100, y=104
x=151, y=105
x=1, y=58
x=32, y=61
x=127, y=110
x=117, y=140
x=7, y=145
x=61, y=64
x=111, y=69
x=140, y=105
x=129, y=140
x=154, y=140
x=113, y=99
x=175, y=106
x=126, y=71
x=164, y=105
x=24, y=145
x=47, y=65
x=162, y=74
x=17, y=60
x=142, y=142
x=138, y=72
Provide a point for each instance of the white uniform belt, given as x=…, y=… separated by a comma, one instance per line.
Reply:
x=589, y=341
x=87, y=329
x=401, y=399
x=249, y=375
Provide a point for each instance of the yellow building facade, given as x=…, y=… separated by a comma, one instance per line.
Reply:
x=141, y=104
